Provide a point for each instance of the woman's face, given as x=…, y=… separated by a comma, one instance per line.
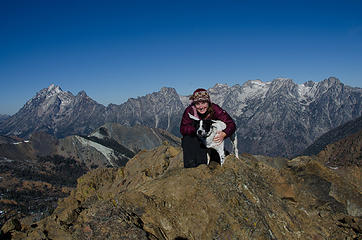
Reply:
x=202, y=106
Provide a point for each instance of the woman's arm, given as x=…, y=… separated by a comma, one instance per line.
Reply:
x=222, y=115
x=187, y=124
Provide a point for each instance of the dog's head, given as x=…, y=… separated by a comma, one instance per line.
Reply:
x=203, y=127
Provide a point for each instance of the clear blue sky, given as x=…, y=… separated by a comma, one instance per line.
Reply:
x=115, y=50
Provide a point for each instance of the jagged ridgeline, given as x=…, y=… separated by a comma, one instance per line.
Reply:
x=278, y=118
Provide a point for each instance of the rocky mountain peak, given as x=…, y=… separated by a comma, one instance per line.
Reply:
x=50, y=91
x=49, y=95
x=309, y=83
x=332, y=80
x=168, y=90
x=254, y=88
x=282, y=87
x=54, y=88
x=82, y=93
x=279, y=82
x=55, y=111
x=169, y=95
x=282, y=80
x=219, y=87
x=256, y=82
x=219, y=93
x=330, y=83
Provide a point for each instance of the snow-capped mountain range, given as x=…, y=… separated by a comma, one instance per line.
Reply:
x=277, y=118
x=281, y=118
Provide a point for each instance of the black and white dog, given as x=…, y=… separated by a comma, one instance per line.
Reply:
x=206, y=131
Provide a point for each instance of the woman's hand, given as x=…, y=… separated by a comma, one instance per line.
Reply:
x=219, y=137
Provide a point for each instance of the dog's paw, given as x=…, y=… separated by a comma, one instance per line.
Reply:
x=213, y=165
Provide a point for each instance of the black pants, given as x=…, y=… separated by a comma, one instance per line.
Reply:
x=195, y=153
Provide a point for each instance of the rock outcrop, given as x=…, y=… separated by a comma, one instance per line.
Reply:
x=154, y=197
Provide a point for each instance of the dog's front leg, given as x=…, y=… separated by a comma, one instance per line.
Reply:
x=234, y=141
x=222, y=156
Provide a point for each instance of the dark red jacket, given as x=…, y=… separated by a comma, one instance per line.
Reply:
x=187, y=126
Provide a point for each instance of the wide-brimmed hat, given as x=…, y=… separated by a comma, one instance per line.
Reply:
x=200, y=94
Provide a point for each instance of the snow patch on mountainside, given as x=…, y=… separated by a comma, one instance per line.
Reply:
x=97, y=135
x=54, y=89
x=107, y=152
x=254, y=89
x=306, y=93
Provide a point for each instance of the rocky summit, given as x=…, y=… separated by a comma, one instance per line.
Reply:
x=253, y=197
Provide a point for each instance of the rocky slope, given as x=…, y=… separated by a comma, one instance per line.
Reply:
x=253, y=197
x=34, y=173
x=345, y=157
x=112, y=145
x=349, y=128
x=341, y=150
x=345, y=152
x=135, y=138
x=277, y=118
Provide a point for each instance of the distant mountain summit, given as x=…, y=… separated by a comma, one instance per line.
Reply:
x=281, y=118
x=277, y=118
x=161, y=109
x=56, y=112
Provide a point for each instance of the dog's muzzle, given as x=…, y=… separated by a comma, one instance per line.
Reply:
x=202, y=133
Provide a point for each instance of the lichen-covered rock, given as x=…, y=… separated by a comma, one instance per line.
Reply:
x=154, y=197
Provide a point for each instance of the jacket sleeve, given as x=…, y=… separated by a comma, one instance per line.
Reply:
x=187, y=124
x=221, y=114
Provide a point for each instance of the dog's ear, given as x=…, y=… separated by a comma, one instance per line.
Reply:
x=218, y=123
x=193, y=117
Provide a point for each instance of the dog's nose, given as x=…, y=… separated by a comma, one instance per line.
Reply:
x=199, y=132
